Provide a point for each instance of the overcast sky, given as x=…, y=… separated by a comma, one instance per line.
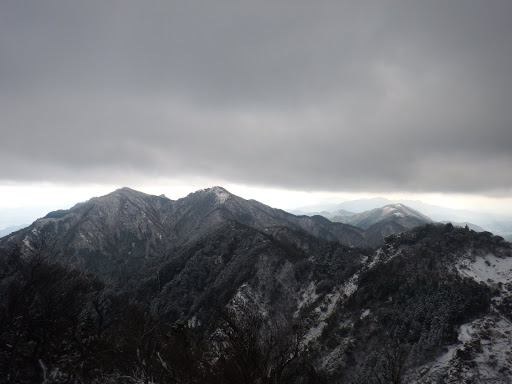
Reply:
x=356, y=97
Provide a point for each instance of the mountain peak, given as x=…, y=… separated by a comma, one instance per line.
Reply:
x=391, y=209
x=219, y=189
x=401, y=210
x=126, y=190
x=221, y=194
x=120, y=193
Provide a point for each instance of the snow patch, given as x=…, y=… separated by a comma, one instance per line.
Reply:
x=83, y=237
x=194, y=322
x=484, y=352
x=466, y=333
x=309, y=296
x=43, y=368
x=220, y=194
x=388, y=209
x=487, y=269
x=350, y=286
x=27, y=244
x=365, y=313
x=246, y=295
x=330, y=303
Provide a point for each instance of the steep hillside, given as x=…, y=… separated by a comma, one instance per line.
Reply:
x=269, y=267
x=407, y=312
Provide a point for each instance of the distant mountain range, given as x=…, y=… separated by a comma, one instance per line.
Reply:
x=139, y=224
x=131, y=287
x=11, y=229
x=408, y=218
x=498, y=224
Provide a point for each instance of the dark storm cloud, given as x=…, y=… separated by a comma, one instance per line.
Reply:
x=383, y=95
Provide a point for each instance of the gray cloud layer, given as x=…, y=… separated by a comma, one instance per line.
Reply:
x=378, y=95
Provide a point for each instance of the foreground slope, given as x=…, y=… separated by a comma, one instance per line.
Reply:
x=422, y=310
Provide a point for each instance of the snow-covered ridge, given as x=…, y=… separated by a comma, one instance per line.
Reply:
x=220, y=193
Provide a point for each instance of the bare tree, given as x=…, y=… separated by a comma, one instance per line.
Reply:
x=253, y=348
x=392, y=361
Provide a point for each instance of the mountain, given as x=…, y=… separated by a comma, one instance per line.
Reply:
x=131, y=287
x=379, y=223
x=402, y=215
x=356, y=206
x=496, y=223
x=124, y=228
x=362, y=205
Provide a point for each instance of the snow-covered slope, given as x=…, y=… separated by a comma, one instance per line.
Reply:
x=483, y=352
x=399, y=213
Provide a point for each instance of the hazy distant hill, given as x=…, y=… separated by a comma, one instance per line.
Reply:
x=499, y=224
x=9, y=230
x=381, y=222
x=474, y=227
x=339, y=216
x=390, y=219
x=408, y=218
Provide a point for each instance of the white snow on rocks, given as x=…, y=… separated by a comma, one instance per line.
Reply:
x=221, y=194
x=309, y=296
x=328, y=306
x=466, y=332
x=487, y=269
x=365, y=313
x=483, y=355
